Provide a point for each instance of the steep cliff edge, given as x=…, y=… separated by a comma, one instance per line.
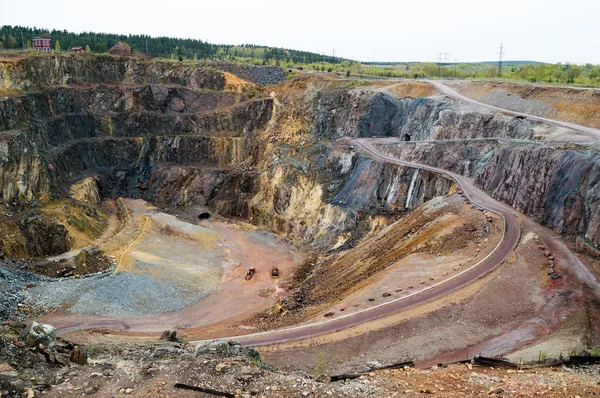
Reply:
x=364, y=113
x=557, y=185
x=180, y=135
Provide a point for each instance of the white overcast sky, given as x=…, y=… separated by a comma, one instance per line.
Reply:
x=375, y=30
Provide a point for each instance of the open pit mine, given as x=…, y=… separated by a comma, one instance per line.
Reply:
x=153, y=210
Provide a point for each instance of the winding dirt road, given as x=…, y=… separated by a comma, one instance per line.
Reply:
x=440, y=289
x=458, y=281
x=594, y=133
x=477, y=271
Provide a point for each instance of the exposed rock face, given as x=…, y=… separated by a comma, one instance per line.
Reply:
x=36, y=72
x=462, y=157
x=86, y=191
x=374, y=184
x=43, y=237
x=559, y=188
x=362, y=113
x=23, y=175
x=509, y=175
x=134, y=130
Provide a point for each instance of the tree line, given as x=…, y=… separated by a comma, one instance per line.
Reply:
x=18, y=37
x=530, y=71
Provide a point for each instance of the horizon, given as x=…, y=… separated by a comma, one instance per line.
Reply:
x=465, y=30
x=505, y=61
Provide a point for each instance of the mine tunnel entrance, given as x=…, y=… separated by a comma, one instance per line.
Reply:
x=204, y=216
x=406, y=137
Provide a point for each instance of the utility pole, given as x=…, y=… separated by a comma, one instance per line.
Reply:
x=146, y=46
x=445, y=56
x=455, y=63
x=22, y=41
x=500, y=60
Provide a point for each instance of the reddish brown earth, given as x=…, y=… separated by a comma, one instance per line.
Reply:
x=234, y=297
x=454, y=283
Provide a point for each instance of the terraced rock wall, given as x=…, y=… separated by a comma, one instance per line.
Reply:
x=558, y=187
x=364, y=113
x=173, y=134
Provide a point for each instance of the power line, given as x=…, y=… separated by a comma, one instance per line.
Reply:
x=445, y=57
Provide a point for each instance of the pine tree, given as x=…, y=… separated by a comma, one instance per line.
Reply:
x=11, y=43
x=87, y=48
x=57, y=46
x=28, y=44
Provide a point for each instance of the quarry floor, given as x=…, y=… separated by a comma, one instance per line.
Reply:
x=172, y=274
x=516, y=311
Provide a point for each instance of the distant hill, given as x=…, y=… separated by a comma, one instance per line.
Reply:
x=167, y=47
x=514, y=63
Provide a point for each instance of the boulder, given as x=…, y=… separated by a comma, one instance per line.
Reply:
x=78, y=356
x=168, y=335
x=39, y=333
x=226, y=349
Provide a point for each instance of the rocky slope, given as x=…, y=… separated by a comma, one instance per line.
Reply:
x=554, y=184
x=575, y=105
x=150, y=370
x=184, y=135
x=177, y=135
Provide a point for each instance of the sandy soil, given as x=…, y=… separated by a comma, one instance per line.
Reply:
x=210, y=258
x=414, y=89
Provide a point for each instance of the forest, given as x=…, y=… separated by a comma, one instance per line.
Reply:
x=19, y=38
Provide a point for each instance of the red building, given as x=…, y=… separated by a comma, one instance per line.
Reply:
x=79, y=50
x=41, y=43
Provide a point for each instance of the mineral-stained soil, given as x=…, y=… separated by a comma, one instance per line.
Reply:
x=152, y=370
x=430, y=244
x=192, y=271
x=178, y=139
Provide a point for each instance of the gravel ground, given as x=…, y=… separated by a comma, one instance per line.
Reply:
x=121, y=294
x=12, y=282
x=267, y=74
x=264, y=75
x=504, y=99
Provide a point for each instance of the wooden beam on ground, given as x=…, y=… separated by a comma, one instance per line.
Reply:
x=204, y=390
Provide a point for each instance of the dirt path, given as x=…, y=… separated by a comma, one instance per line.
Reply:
x=594, y=133
x=503, y=343
x=450, y=284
